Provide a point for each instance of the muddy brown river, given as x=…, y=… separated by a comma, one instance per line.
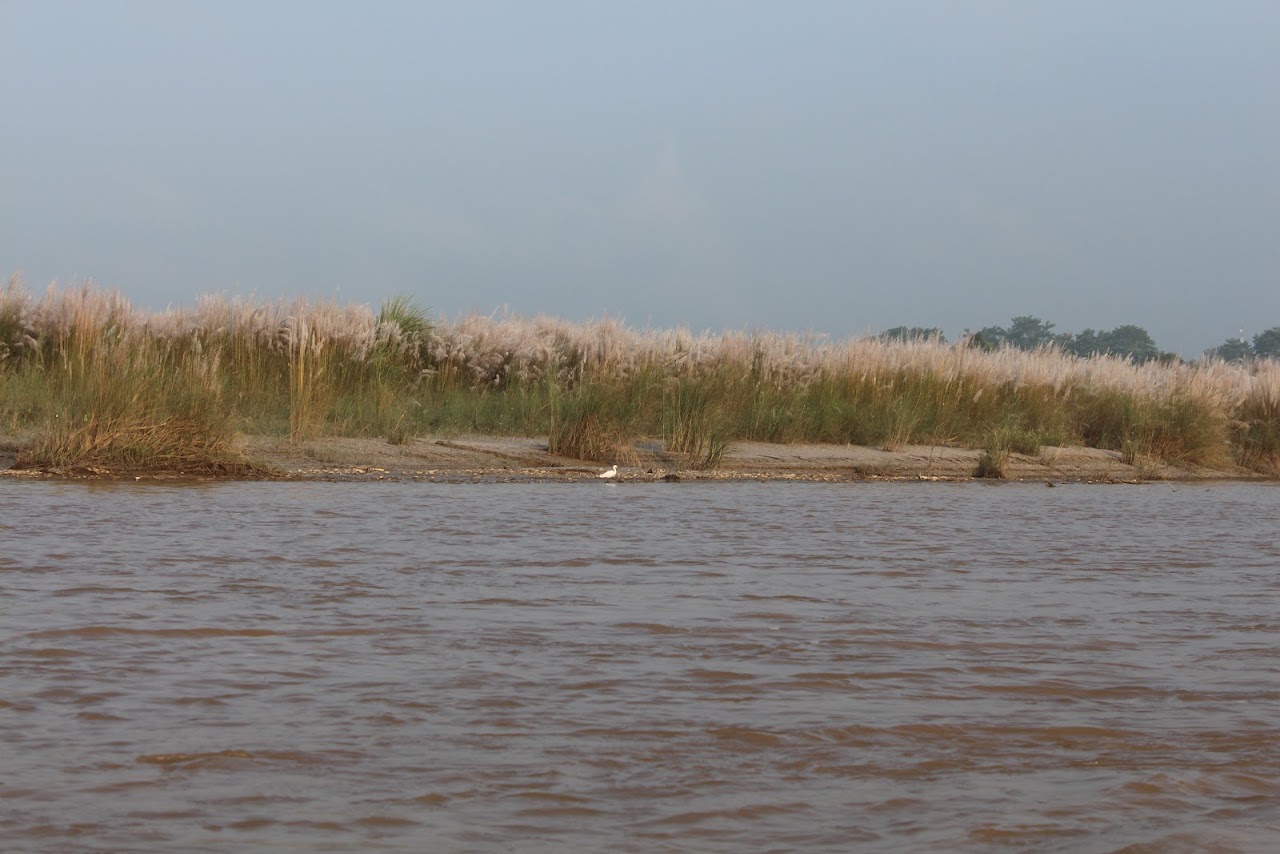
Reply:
x=639, y=667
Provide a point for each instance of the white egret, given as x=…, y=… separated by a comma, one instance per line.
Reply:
x=613, y=472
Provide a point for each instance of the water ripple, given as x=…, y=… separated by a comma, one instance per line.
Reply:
x=718, y=667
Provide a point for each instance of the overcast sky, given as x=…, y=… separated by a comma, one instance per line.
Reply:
x=831, y=166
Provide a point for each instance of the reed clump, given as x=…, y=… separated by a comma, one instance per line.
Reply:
x=81, y=364
x=594, y=421
x=108, y=397
x=1256, y=430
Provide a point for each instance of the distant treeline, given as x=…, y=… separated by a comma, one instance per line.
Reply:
x=1031, y=333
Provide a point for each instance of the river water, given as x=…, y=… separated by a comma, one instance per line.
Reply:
x=639, y=667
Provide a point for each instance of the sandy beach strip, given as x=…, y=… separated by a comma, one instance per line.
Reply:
x=526, y=459
x=490, y=458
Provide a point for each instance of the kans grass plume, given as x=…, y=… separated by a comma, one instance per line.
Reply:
x=101, y=383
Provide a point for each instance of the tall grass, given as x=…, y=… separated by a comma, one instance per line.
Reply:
x=1256, y=432
x=111, y=397
x=79, y=364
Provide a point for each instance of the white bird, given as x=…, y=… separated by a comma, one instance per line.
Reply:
x=613, y=472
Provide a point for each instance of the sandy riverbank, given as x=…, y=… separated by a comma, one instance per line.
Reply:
x=501, y=458
x=490, y=458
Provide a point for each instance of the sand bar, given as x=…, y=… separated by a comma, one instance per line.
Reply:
x=526, y=459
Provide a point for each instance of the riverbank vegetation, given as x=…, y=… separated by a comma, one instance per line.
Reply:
x=93, y=381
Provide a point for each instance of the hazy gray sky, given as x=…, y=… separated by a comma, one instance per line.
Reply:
x=835, y=166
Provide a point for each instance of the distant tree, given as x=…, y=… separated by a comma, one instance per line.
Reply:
x=1028, y=333
x=1024, y=332
x=913, y=333
x=1129, y=340
x=1087, y=343
x=1132, y=341
x=1232, y=350
x=1266, y=345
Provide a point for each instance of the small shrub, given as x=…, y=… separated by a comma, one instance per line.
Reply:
x=716, y=447
x=992, y=464
x=995, y=454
